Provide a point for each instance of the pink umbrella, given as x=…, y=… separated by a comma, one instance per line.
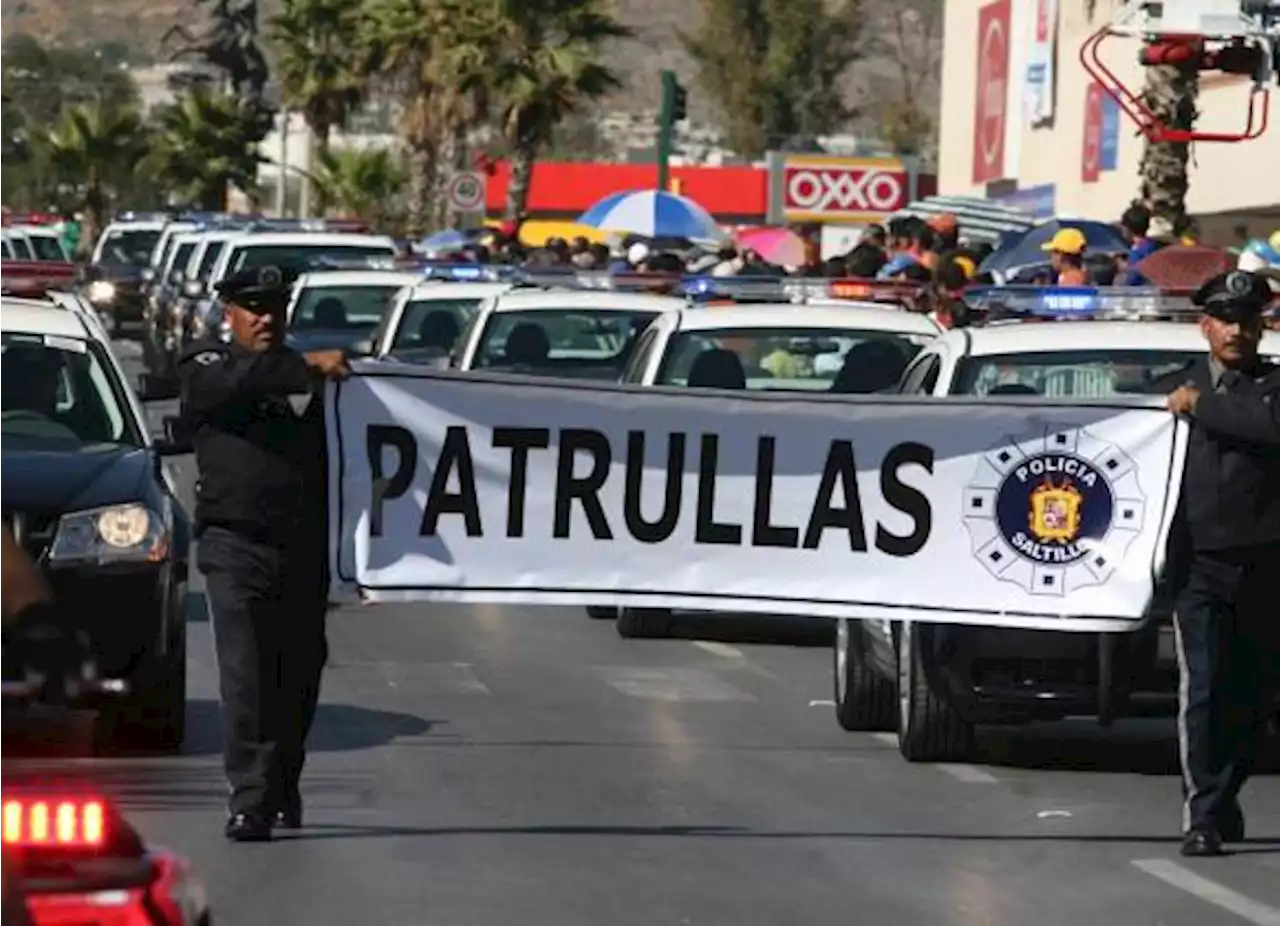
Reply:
x=779, y=246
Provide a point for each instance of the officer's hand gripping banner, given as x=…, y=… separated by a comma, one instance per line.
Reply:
x=1006, y=512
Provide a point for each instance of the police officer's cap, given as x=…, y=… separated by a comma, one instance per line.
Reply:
x=1235, y=296
x=263, y=288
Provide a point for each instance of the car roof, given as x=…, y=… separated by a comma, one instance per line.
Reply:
x=790, y=314
x=320, y=238
x=1045, y=337
x=34, y=316
x=552, y=299
x=357, y=278
x=150, y=225
x=441, y=289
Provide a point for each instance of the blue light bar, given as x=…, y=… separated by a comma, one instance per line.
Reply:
x=470, y=273
x=1114, y=303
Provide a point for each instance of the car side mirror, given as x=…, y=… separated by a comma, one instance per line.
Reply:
x=152, y=388
x=362, y=348
x=148, y=274
x=177, y=438
x=193, y=289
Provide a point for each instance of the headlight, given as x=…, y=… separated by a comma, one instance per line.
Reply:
x=118, y=533
x=101, y=291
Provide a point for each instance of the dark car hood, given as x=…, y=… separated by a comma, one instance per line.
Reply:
x=43, y=476
x=323, y=339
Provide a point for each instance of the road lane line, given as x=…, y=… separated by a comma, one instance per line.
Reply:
x=719, y=649
x=969, y=774
x=1184, y=879
x=822, y=703
x=671, y=684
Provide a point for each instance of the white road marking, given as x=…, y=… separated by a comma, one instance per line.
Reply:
x=671, y=684
x=822, y=703
x=719, y=649
x=1184, y=879
x=969, y=774
x=889, y=739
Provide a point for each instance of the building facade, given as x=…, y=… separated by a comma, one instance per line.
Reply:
x=1023, y=122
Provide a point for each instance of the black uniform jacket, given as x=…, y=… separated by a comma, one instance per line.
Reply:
x=262, y=466
x=1231, y=483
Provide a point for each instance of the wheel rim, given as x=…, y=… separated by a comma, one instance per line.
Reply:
x=842, y=658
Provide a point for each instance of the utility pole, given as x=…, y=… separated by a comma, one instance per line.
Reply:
x=674, y=108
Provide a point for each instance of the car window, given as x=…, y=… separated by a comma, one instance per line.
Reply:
x=433, y=323
x=341, y=308
x=61, y=390
x=922, y=377
x=47, y=247
x=586, y=343
x=21, y=249
x=210, y=257
x=181, y=256
x=639, y=361
x=8, y=251
x=1095, y=374
x=790, y=358
x=128, y=246
x=464, y=339
x=300, y=257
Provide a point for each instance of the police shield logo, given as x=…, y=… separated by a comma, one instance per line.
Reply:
x=1054, y=512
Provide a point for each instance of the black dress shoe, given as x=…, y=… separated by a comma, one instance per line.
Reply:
x=290, y=817
x=248, y=827
x=1231, y=829
x=1202, y=844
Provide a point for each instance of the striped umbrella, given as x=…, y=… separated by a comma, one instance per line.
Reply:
x=653, y=214
x=979, y=219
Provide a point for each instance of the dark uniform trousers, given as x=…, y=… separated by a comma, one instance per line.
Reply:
x=268, y=606
x=1228, y=642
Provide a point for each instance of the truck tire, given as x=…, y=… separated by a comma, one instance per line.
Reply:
x=864, y=700
x=929, y=729
x=643, y=623
x=601, y=612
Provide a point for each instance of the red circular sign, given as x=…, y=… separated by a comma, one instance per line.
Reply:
x=991, y=78
x=1092, y=130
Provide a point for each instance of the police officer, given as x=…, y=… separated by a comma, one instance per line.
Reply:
x=260, y=522
x=1224, y=558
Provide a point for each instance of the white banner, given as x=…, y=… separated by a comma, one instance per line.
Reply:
x=1000, y=511
x=1038, y=90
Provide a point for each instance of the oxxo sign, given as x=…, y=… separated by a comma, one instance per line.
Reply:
x=839, y=189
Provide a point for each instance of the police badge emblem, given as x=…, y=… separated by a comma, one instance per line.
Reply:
x=1239, y=283
x=1054, y=512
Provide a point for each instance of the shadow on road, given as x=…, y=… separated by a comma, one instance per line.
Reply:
x=753, y=628
x=338, y=728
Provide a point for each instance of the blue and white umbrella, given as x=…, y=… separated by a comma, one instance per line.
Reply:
x=444, y=241
x=653, y=214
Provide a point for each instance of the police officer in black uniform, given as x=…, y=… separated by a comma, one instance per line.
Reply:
x=260, y=522
x=1224, y=559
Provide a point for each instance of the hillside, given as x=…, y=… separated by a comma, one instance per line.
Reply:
x=140, y=24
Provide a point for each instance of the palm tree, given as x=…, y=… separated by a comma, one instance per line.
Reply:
x=549, y=66
x=432, y=55
x=204, y=142
x=93, y=147
x=316, y=41
x=363, y=184
x=1170, y=93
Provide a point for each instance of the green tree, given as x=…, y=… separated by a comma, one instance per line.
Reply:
x=773, y=67
x=550, y=65
x=91, y=148
x=364, y=184
x=1170, y=92
x=315, y=42
x=202, y=143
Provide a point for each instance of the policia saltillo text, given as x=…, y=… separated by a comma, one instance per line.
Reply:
x=455, y=465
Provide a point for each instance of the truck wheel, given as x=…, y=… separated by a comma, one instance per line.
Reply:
x=643, y=623
x=601, y=613
x=864, y=700
x=929, y=729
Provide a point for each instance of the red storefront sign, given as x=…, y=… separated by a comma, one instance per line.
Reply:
x=992, y=92
x=831, y=189
x=1091, y=157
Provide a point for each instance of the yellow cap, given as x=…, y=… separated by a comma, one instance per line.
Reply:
x=1066, y=241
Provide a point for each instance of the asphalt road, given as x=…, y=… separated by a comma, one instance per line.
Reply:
x=478, y=765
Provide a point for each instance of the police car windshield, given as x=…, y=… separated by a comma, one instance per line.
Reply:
x=129, y=246
x=797, y=359
x=579, y=343
x=422, y=323
x=47, y=247
x=300, y=257
x=341, y=308
x=1093, y=374
x=61, y=391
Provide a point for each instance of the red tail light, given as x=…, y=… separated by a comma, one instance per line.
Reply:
x=54, y=823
